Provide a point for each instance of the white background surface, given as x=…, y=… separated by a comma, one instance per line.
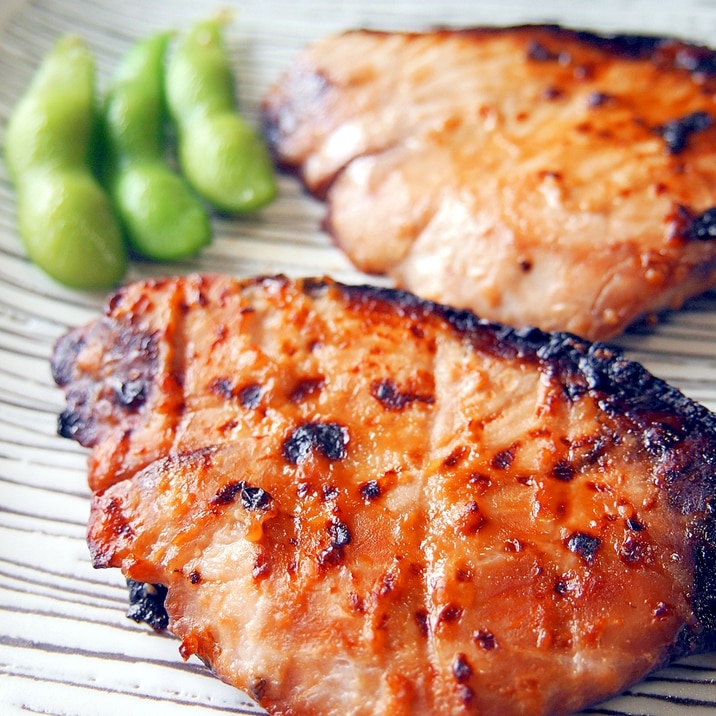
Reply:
x=65, y=645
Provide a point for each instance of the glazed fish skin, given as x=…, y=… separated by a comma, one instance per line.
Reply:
x=536, y=175
x=369, y=503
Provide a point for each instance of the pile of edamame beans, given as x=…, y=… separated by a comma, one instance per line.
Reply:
x=95, y=181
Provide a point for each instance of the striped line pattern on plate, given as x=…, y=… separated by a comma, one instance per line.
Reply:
x=65, y=645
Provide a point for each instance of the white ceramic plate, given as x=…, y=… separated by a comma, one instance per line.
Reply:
x=65, y=644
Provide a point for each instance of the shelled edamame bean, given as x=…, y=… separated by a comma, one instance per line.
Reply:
x=220, y=154
x=162, y=217
x=65, y=218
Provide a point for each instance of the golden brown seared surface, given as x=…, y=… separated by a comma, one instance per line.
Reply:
x=536, y=175
x=363, y=503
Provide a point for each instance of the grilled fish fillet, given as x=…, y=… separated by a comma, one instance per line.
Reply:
x=361, y=502
x=536, y=175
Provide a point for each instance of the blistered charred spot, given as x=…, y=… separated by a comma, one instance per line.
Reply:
x=249, y=395
x=340, y=537
x=450, y=614
x=456, y=456
x=329, y=439
x=552, y=93
x=562, y=586
x=633, y=524
x=314, y=287
x=465, y=693
x=703, y=226
x=223, y=387
x=195, y=576
x=255, y=498
x=676, y=132
x=599, y=99
x=70, y=424
x=387, y=393
x=584, y=545
x=64, y=357
x=633, y=551
x=306, y=388
x=227, y=493
x=461, y=669
x=503, y=459
x=421, y=619
x=131, y=393
x=370, y=490
x=563, y=471
x=146, y=604
x=252, y=498
x=339, y=533
x=485, y=639
x=538, y=52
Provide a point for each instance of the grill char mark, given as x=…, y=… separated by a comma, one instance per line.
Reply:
x=132, y=352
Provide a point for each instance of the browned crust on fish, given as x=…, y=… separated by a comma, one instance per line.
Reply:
x=440, y=503
x=535, y=174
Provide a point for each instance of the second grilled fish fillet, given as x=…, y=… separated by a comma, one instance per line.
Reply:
x=363, y=503
x=537, y=175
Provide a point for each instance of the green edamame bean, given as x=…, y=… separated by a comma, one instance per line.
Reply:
x=65, y=218
x=220, y=154
x=162, y=218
